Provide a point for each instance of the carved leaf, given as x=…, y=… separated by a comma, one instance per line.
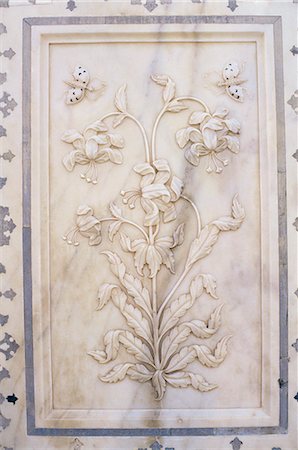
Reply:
x=133, y=285
x=104, y=294
x=159, y=384
x=169, y=86
x=112, y=344
x=176, y=106
x=171, y=342
x=118, y=373
x=136, y=347
x=205, y=330
x=125, y=242
x=118, y=120
x=188, y=134
x=233, y=222
x=182, y=359
x=115, y=156
x=140, y=373
x=115, y=210
x=175, y=311
x=113, y=229
x=116, y=140
x=209, y=358
x=136, y=321
x=178, y=235
x=202, y=245
x=121, y=99
x=184, y=379
x=139, y=293
x=209, y=283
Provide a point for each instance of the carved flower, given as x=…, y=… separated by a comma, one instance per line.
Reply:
x=94, y=146
x=158, y=192
x=153, y=254
x=209, y=135
x=86, y=225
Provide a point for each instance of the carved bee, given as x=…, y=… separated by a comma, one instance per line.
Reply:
x=81, y=85
x=232, y=82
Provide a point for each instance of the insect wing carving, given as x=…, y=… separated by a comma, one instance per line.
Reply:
x=232, y=82
x=81, y=85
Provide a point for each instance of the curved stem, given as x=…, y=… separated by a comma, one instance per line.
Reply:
x=199, y=225
x=172, y=291
x=194, y=99
x=142, y=129
x=164, y=109
x=106, y=219
x=153, y=144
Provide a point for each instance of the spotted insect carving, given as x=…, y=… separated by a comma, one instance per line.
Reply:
x=232, y=81
x=81, y=85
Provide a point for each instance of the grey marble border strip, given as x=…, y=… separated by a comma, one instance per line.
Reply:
x=276, y=21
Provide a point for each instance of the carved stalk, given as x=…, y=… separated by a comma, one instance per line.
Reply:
x=154, y=310
x=129, y=222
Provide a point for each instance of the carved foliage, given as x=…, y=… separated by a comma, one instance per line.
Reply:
x=157, y=331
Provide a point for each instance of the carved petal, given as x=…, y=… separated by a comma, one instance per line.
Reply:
x=70, y=136
x=71, y=159
x=210, y=138
x=198, y=117
x=233, y=143
x=233, y=125
x=221, y=113
x=152, y=212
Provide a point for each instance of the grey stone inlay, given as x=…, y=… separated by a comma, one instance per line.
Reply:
x=2, y=398
x=2, y=268
x=8, y=53
x=276, y=448
x=4, y=373
x=150, y=5
x=293, y=101
x=3, y=78
x=4, y=422
x=6, y=226
x=71, y=5
x=295, y=155
x=296, y=397
x=9, y=294
x=3, y=28
x=294, y=50
x=295, y=223
x=232, y=4
x=12, y=399
x=8, y=346
x=236, y=443
x=4, y=3
x=296, y=292
x=275, y=21
x=9, y=104
x=77, y=444
x=295, y=345
x=7, y=156
x=2, y=131
x=3, y=320
x=2, y=182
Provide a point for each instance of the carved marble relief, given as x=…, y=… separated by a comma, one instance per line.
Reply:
x=155, y=327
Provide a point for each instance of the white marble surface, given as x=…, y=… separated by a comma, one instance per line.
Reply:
x=66, y=278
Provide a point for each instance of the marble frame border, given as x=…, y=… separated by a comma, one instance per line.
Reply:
x=276, y=22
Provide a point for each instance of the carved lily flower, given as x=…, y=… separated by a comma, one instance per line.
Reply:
x=209, y=135
x=158, y=191
x=153, y=254
x=86, y=225
x=94, y=146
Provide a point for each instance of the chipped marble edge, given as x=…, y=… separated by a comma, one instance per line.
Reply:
x=283, y=422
